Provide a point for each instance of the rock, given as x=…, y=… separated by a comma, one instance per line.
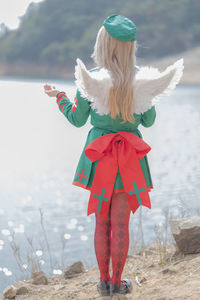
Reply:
x=74, y=270
x=22, y=290
x=10, y=292
x=186, y=232
x=91, y=280
x=169, y=271
x=58, y=287
x=38, y=278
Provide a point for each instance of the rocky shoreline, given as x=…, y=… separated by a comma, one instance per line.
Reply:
x=157, y=273
x=177, y=278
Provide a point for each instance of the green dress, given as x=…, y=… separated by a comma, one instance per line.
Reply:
x=77, y=114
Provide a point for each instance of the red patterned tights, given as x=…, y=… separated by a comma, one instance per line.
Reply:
x=111, y=238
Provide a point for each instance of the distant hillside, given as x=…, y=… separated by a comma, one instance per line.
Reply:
x=59, y=31
x=191, y=74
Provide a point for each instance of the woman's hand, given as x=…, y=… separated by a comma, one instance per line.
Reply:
x=50, y=91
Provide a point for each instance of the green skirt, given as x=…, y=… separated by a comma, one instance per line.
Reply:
x=86, y=169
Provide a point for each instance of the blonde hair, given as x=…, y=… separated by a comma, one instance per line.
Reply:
x=119, y=58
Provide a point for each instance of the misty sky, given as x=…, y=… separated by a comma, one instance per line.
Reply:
x=10, y=10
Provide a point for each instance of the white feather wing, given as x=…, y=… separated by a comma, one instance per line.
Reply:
x=94, y=86
x=151, y=85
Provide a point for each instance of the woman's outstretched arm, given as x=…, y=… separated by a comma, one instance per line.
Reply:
x=77, y=113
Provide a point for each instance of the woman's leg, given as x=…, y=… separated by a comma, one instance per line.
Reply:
x=120, y=214
x=102, y=245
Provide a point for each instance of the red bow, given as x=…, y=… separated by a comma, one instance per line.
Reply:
x=121, y=150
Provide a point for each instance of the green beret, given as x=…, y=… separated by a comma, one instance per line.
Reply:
x=121, y=28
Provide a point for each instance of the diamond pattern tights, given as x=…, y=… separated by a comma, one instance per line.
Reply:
x=111, y=239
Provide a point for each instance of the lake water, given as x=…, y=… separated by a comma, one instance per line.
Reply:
x=39, y=151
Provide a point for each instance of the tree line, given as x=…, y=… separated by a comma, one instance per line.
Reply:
x=59, y=31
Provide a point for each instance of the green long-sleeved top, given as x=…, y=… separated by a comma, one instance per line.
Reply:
x=77, y=114
x=80, y=116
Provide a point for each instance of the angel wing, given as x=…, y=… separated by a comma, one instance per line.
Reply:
x=151, y=85
x=94, y=86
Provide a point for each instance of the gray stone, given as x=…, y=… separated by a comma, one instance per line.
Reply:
x=39, y=278
x=91, y=280
x=186, y=232
x=22, y=290
x=74, y=270
x=58, y=287
x=22, y=287
x=168, y=271
x=10, y=292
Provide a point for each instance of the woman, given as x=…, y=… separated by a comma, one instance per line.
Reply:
x=113, y=164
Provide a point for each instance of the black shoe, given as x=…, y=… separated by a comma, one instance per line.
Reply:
x=103, y=288
x=124, y=288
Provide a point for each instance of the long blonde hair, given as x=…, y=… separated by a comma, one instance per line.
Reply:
x=119, y=58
